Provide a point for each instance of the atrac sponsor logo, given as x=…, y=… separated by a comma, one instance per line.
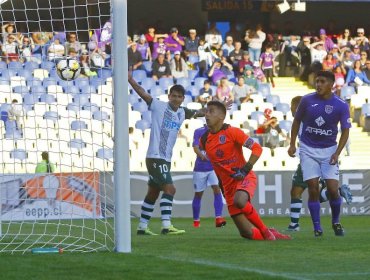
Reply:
x=319, y=131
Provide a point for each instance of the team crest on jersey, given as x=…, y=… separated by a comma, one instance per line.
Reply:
x=219, y=153
x=222, y=139
x=328, y=109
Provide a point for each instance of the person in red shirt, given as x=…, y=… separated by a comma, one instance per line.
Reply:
x=223, y=145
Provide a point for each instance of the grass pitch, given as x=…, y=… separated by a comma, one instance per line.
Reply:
x=212, y=253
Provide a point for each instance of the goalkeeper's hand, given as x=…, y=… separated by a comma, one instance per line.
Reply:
x=240, y=173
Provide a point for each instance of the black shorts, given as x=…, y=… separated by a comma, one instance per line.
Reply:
x=159, y=172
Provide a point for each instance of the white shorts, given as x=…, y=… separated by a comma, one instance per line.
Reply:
x=315, y=162
x=201, y=180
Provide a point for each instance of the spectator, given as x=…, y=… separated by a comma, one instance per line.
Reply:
x=8, y=29
x=228, y=46
x=355, y=76
x=347, y=59
x=241, y=91
x=192, y=43
x=304, y=52
x=205, y=57
x=223, y=92
x=336, y=53
x=255, y=40
x=261, y=130
x=213, y=37
x=367, y=69
x=40, y=38
x=151, y=37
x=220, y=69
x=45, y=166
x=356, y=54
x=236, y=55
x=15, y=112
x=244, y=62
x=267, y=64
x=340, y=76
x=56, y=51
x=361, y=40
x=134, y=57
x=179, y=68
x=249, y=78
x=328, y=43
x=85, y=65
x=345, y=39
x=26, y=49
x=205, y=93
x=10, y=49
x=72, y=54
x=174, y=41
x=143, y=48
x=258, y=73
x=329, y=62
x=97, y=58
x=161, y=68
x=317, y=55
x=363, y=59
x=159, y=47
x=273, y=132
x=72, y=42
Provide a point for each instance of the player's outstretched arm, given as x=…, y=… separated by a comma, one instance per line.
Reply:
x=139, y=90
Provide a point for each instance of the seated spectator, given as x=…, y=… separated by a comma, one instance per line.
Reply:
x=361, y=40
x=10, y=49
x=340, y=77
x=97, y=58
x=363, y=60
x=327, y=41
x=236, y=55
x=329, y=62
x=258, y=72
x=262, y=128
x=151, y=37
x=347, y=59
x=337, y=55
x=205, y=56
x=56, y=51
x=213, y=37
x=135, y=60
x=245, y=61
x=367, y=69
x=85, y=65
x=159, y=47
x=344, y=40
x=205, y=93
x=356, y=53
x=8, y=29
x=15, y=112
x=191, y=43
x=220, y=69
x=272, y=132
x=143, y=48
x=161, y=68
x=40, y=38
x=174, y=41
x=223, y=91
x=241, y=91
x=228, y=46
x=72, y=42
x=179, y=68
x=26, y=49
x=249, y=78
x=355, y=76
x=72, y=54
x=318, y=52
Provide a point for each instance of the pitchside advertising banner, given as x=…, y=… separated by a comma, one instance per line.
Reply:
x=50, y=196
x=77, y=195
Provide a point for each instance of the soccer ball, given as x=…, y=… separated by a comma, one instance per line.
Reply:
x=68, y=69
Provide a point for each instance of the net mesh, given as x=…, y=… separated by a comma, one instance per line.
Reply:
x=56, y=154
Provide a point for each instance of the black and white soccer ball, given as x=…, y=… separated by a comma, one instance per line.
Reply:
x=68, y=69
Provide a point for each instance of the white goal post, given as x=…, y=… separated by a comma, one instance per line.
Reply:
x=64, y=156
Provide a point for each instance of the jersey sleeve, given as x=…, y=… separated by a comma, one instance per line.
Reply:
x=244, y=140
x=345, y=120
x=238, y=135
x=189, y=113
x=196, y=138
x=301, y=109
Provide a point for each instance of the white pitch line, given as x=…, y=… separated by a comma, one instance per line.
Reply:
x=235, y=267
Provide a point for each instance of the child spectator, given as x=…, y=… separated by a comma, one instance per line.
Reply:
x=223, y=92
x=205, y=93
x=267, y=64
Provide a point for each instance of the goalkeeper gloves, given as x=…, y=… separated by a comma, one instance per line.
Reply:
x=240, y=173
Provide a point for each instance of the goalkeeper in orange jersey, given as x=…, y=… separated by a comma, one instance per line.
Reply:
x=223, y=145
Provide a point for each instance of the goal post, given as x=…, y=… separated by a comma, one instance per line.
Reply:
x=64, y=155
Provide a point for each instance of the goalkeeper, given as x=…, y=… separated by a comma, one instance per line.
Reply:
x=223, y=145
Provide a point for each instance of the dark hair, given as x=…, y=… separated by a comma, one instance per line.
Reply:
x=217, y=104
x=177, y=88
x=206, y=82
x=326, y=74
x=295, y=100
x=45, y=156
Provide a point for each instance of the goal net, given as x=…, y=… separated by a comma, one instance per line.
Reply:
x=56, y=154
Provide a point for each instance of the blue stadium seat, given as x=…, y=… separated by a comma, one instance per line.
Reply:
x=78, y=125
x=21, y=90
x=192, y=74
x=77, y=144
x=283, y=107
x=147, y=83
x=13, y=134
x=71, y=89
x=96, y=81
x=286, y=125
x=47, y=65
x=140, y=106
x=139, y=75
x=346, y=92
x=51, y=115
x=156, y=91
x=142, y=125
x=273, y=98
x=39, y=90
x=193, y=59
x=34, y=82
x=7, y=73
x=47, y=98
x=199, y=82
x=91, y=107
x=104, y=73
x=87, y=89
x=30, y=99
x=65, y=84
x=80, y=82
x=18, y=154
x=365, y=109
x=26, y=73
x=165, y=83
x=49, y=81
x=30, y=65
x=54, y=74
x=104, y=153
x=193, y=91
x=4, y=81
x=101, y=116
x=185, y=82
x=81, y=99
x=133, y=98
x=3, y=65
x=187, y=100
x=15, y=65
x=258, y=116
x=264, y=89
x=148, y=67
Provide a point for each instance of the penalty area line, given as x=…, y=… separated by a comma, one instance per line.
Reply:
x=235, y=267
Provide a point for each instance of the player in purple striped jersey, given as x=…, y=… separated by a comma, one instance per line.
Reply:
x=204, y=176
x=320, y=112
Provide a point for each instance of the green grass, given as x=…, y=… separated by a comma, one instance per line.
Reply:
x=212, y=253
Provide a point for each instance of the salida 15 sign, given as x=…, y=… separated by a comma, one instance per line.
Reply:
x=217, y=5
